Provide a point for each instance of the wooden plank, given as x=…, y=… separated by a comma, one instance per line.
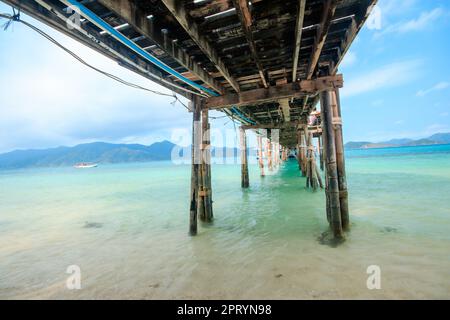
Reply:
x=209, y=8
x=322, y=32
x=245, y=17
x=258, y=96
x=178, y=11
x=129, y=11
x=298, y=37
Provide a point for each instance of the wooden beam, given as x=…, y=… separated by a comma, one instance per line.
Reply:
x=245, y=17
x=298, y=37
x=289, y=90
x=129, y=11
x=322, y=32
x=178, y=11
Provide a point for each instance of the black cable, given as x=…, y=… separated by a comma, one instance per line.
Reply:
x=16, y=17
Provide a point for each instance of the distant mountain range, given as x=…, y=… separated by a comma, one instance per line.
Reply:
x=97, y=152
x=438, y=138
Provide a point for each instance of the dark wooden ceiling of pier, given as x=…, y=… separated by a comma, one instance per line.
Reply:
x=231, y=46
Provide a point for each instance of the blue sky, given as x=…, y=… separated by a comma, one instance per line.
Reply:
x=397, y=84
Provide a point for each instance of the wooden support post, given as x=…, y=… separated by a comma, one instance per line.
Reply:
x=326, y=181
x=299, y=152
x=269, y=150
x=195, y=169
x=276, y=154
x=303, y=150
x=260, y=155
x=340, y=161
x=205, y=194
x=331, y=166
x=320, y=150
x=244, y=162
x=313, y=180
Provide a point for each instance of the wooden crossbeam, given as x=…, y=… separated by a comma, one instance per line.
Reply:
x=298, y=37
x=322, y=32
x=275, y=93
x=178, y=11
x=245, y=17
x=128, y=10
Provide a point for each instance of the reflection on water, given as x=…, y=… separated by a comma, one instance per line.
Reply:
x=126, y=227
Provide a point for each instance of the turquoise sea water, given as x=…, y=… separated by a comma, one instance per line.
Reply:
x=126, y=227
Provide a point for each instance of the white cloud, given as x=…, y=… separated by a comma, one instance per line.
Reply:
x=388, y=76
x=420, y=23
x=437, y=87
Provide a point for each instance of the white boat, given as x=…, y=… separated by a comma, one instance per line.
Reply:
x=85, y=165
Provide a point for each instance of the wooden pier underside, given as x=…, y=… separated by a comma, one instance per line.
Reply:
x=230, y=46
x=266, y=63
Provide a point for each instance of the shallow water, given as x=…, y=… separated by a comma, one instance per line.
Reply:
x=126, y=227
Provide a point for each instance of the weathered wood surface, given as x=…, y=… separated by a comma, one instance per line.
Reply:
x=260, y=155
x=331, y=166
x=340, y=159
x=195, y=170
x=244, y=160
x=205, y=194
x=182, y=16
x=290, y=90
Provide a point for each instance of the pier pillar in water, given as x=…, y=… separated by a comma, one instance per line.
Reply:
x=332, y=191
x=313, y=179
x=205, y=192
x=244, y=163
x=299, y=154
x=302, y=149
x=260, y=154
x=340, y=160
x=269, y=150
x=320, y=151
x=196, y=162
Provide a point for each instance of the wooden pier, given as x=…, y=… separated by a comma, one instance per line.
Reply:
x=266, y=63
